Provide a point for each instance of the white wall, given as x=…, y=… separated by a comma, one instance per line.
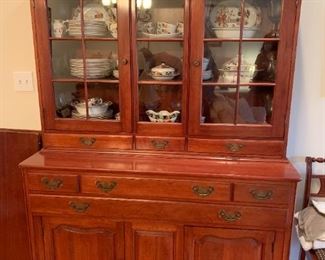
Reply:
x=18, y=110
x=307, y=122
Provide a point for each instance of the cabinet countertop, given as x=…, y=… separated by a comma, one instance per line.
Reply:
x=163, y=165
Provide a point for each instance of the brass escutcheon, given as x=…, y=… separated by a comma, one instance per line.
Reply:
x=261, y=194
x=88, y=141
x=79, y=207
x=106, y=186
x=52, y=184
x=160, y=144
x=234, y=147
x=229, y=216
x=203, y=191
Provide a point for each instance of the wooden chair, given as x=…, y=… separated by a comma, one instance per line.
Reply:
x=313, y=254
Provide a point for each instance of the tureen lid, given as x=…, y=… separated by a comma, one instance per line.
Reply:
x=163, y=67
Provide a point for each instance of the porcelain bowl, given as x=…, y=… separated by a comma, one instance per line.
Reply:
x=162, y=116
x=231, y=76
x=94, y=109
x=163, y=70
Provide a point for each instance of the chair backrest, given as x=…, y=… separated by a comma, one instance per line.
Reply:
x=310, y=176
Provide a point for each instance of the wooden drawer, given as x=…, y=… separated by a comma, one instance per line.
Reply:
x=256, y=193
x=236, y=147
x=87, y=141
x=177, y=212
x=160, y=144
x=156, y=188
x=52, y=182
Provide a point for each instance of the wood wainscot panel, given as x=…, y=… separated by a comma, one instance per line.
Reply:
x=15, y=146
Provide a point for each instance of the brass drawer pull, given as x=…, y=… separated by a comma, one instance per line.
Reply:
x=235, y=147
x=88, y=141
x=106, y=186
x=203, y=191
x=160, y=144
x=262, y=194
x=229, y=216
x=52, y=184
x=79, y=207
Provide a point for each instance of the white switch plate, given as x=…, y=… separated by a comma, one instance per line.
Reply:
x=23, y=81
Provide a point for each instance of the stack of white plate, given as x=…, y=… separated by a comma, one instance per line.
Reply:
x=95, y=68
x=92, y=28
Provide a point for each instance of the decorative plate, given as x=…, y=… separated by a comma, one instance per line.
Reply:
x=227, y=15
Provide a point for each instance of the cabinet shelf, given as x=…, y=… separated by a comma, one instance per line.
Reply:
x=72, y=80
x=243, y=39
x=160, y=39
x=160, y=82
x=252, y=84
x=80, y=38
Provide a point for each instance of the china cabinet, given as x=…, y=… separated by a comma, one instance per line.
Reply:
x=164, y=129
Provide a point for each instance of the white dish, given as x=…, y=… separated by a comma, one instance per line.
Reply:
x=162, y=116
x=227, y=15
x=165, y=35
x=234, y=33
x=94, y=12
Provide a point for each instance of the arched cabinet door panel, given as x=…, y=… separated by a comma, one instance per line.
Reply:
x=228, y=244
x=83, y=239
x=154, y=241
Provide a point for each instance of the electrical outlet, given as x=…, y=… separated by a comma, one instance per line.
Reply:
x=23, y=81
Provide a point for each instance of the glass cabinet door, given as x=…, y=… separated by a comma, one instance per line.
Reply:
x=238, y=68
x=89, y=68
x=160, y=70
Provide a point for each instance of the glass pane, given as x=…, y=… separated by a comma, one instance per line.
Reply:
x=103, y=102
x=101, y=60
x=59, y=13
x=65, y=95
x=160, y=19
x=270, y=17
x=220, y=63
x=223, y=18
x=259, y=61
x=160, y=61
x=218, y=105
x=255, y=105
x=63, y=52
x=160, y=103
x=99, y=20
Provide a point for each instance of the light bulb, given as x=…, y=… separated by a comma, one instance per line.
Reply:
x=147, y=4
x=106, y=2
x=114, y=2
x=139, y=3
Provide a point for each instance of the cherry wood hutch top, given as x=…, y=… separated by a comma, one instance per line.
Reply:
x=164, y=129
x=224, y=109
